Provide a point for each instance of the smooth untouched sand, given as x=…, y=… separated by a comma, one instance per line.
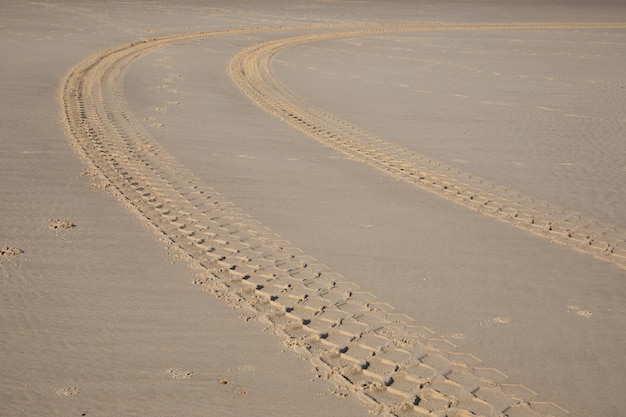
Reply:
x=99, y=317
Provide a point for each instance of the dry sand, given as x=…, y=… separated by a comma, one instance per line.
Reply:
x=99, y=315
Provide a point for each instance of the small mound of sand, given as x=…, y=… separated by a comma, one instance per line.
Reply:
x=68, y=391
x=61, y=224
x=178, y=373
x=10, y=251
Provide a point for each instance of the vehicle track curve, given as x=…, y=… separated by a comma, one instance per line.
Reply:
x=397, y=367
x=251, y=71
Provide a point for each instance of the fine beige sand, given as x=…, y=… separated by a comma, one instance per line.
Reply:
x=395, y=220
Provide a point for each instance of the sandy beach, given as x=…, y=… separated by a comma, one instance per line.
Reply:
x=325, y=208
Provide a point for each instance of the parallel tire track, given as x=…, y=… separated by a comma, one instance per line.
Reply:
x=397, y=367
x=251, y=71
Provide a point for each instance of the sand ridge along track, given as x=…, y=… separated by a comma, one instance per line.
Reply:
x=397, y=367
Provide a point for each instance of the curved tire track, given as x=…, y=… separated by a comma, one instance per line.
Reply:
x=398, y=368
x=251, y=71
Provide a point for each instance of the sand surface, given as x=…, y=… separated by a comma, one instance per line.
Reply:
x=424, y=302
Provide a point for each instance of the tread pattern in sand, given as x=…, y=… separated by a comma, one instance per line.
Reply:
x=251, y=71
x=397, y=367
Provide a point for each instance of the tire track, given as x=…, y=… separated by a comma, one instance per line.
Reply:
x=395, y=366
x=250, y=69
